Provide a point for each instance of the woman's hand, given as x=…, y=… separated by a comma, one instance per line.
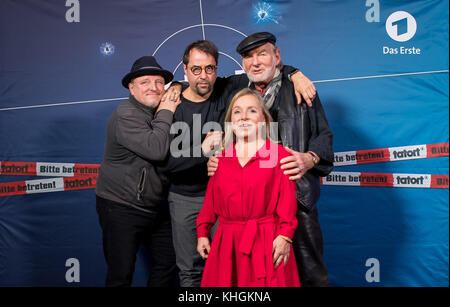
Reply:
x=203, y=247
x=280, y=251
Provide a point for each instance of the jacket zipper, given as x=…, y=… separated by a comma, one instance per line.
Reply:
x=141, y=184
x=298, y=125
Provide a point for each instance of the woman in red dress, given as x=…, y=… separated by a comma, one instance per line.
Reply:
x=254, y=202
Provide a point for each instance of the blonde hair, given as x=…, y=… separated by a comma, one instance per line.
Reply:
x=230, y=137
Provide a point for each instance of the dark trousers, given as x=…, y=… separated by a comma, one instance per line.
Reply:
x=308, y=249
x=184, y=211
x=124, y=230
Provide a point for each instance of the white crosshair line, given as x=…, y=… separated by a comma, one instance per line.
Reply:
x=201, y=17
x=202, y=25
x=385, y=76
x=318, y=81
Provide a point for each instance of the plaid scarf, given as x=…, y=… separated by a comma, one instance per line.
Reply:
x=271, y=89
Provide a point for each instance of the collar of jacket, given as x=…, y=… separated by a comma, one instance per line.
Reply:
x=141, y=106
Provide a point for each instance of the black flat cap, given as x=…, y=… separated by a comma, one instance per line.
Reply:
x=255, y=40
x=146, y=65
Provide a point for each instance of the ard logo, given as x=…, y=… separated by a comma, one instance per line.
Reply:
x=401, y=26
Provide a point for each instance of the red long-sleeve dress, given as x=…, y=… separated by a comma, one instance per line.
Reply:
x=254, y=204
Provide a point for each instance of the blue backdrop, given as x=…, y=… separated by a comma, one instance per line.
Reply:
x=61, y=63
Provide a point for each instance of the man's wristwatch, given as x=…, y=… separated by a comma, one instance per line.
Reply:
x=291, y=74
x=314, y=158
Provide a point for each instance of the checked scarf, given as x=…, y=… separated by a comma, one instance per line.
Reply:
x=271, y=90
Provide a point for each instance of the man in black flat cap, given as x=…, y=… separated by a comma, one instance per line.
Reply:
x=131, y=196
x=304, y=130
x=204, y=102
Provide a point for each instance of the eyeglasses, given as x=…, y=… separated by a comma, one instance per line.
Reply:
x=209, y=69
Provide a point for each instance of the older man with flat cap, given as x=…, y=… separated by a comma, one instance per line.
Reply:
x=304, y=130
x=130, y=194
x=204, y=102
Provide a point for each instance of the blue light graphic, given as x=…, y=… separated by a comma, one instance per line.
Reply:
x=264, y=12
x=107, y=49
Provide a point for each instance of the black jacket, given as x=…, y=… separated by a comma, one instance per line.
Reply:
x=304, y=128
x=137, y=140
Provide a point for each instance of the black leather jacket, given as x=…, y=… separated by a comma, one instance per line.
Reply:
x=301, y=128
x=304, y=128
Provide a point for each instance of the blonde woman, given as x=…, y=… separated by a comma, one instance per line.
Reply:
x=254, y=202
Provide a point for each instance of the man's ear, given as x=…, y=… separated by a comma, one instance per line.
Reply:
x=278, y=56
x=131, y=88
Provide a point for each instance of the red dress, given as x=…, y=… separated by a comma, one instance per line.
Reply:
x=254, y=204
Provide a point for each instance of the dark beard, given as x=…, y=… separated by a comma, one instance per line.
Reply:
x=203, y=92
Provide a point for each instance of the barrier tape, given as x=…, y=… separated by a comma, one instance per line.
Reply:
x=47, y=185
x=391, y=154
x=48, y=169
x=340, y=159
x=77, y=176
x=334, y=178
x=386, y=180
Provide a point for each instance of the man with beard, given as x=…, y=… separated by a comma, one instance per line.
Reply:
x=305, y=133
x=203, y=106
